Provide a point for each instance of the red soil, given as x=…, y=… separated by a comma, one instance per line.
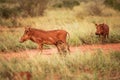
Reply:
x=82, y=48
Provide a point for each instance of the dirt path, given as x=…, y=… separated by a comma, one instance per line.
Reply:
x=82, y=48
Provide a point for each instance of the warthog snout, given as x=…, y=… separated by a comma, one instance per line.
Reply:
x=20, y=41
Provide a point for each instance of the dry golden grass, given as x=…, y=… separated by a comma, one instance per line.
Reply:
x=80, y=27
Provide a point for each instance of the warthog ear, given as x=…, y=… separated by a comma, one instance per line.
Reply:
x=28, y=28
x=96, y=24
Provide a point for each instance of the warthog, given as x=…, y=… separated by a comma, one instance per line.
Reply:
x=45, y=37
x=102, y=30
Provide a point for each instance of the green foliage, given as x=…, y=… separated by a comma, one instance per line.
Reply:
x=67, y=4
x=113, y=3
x=9, y=12
x=33, y=7
x=70, y=4
x=3, y=1
x=24, y=8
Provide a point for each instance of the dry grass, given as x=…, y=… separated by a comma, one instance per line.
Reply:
x=80, y=27
x=78, y=66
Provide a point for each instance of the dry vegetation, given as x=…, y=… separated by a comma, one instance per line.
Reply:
x=81, y=29
x=77, y=66
x=79, y=22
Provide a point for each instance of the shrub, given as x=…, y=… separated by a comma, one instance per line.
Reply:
x=90, y=8
x=113, y=3
x=24, y=8
x=66, y=4
x=33, y=7
x=6, y=12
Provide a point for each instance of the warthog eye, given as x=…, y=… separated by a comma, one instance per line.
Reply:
x=26, y=31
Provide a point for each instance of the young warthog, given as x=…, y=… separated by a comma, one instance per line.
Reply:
x=102, y=30
x=44, y=37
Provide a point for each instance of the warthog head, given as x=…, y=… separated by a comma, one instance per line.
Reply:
x=26, y=35
x=99, y=29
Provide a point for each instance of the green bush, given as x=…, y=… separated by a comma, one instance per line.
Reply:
x=22, y=8
x=67, y=4
x=113, y=3
x=9, y=12
x=33, y=7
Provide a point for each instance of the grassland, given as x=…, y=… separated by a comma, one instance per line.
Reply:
x=79, y=22
x=77, y=66
x=81, y=29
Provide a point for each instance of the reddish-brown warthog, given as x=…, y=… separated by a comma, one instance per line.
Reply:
x=45, y=37
x=102, y=30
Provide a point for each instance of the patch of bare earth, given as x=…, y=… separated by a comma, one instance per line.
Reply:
x=46, y=52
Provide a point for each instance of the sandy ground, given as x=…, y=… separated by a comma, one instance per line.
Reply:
x=46, y=52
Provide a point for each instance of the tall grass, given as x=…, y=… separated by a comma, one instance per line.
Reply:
x=9, y=41
x=81, y=30
x=77, y=66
